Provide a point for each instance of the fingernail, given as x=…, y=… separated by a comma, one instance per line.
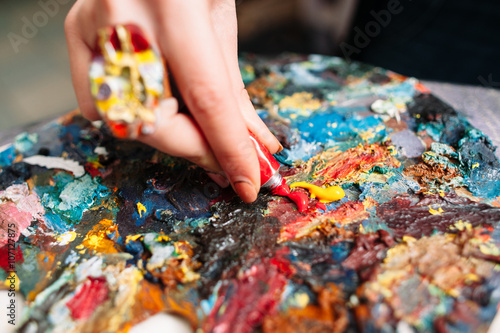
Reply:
x=246, y=190
x=280, y=149
x=219, y=179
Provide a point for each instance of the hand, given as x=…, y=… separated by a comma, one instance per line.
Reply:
x=198, y=39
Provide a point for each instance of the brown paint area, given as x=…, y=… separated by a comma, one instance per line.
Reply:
x=426, y=175
x=259, y=88
x=411, y=215
x=368, y=250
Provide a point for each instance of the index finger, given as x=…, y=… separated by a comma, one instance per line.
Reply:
x=197, y=63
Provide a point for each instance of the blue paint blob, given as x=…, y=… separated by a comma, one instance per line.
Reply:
x=302, y=151
x=340, y=251
x=346, y=129
x=7, y=156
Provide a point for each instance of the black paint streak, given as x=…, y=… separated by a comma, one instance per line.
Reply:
x=240, y=236
x=427, y=107
x=18, y=173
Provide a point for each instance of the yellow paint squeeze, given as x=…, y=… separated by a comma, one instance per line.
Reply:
x=329, y=194
x=141, y=209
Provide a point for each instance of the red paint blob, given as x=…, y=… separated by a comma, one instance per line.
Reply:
x=242, y=304
x=4, y=257
x=93, y=171
x=300, y=199
x=91, y=295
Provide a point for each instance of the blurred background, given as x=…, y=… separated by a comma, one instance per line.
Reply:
x=453, y=41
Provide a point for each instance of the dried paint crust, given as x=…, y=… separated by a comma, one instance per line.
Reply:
x=415, y=242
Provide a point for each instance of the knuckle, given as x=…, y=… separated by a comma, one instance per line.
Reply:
x=245, y=148
x=205, y=97
x=244, y=94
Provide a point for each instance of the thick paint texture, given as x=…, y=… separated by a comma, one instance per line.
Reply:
x=329, y=194
x=408, y=239
x=300, y=199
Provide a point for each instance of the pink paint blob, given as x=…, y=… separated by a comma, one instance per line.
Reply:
x=18, y=210
x=12, y=222
x=300, y=199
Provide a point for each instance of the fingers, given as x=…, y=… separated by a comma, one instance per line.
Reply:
x=202, y=76
x=219, y=179
x=79, y=56
x=178, y=135
x=223, y=14
x=205, y=64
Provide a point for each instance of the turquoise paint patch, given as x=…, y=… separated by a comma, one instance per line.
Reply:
x=433, y=130
x=405, y=89
x=373, y=225
x=66, y=201
x=24, y=142
x=480, y=165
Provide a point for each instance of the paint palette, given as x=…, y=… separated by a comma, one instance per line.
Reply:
x=106, y=233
